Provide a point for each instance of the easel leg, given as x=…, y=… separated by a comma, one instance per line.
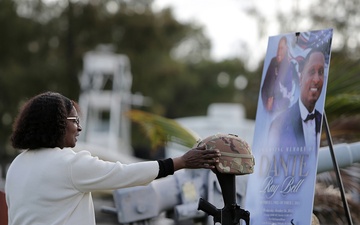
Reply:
x=337, y=170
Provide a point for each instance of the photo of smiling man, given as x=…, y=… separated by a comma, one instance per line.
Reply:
x=300, y=124
x=285, y=146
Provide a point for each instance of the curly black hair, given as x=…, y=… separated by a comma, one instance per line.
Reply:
x=41, y=122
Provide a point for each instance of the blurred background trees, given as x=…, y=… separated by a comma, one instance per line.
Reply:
x=42, y=45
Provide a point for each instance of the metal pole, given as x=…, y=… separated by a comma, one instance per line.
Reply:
x=337, y=171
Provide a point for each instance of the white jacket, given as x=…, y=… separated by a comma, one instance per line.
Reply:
x=53, y=186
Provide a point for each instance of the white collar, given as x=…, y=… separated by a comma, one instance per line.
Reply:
x=303, y=110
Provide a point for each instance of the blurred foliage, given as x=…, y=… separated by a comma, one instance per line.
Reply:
x=343, y=93
x=161, y=130
x=43, y=45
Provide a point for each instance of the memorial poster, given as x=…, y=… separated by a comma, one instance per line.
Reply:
x=288, y=127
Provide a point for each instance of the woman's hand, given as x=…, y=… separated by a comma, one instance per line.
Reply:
x=196, y=158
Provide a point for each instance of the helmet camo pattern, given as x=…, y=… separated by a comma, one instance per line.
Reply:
x=236, y=157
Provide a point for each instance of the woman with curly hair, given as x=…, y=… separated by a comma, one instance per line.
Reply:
x=48, y=183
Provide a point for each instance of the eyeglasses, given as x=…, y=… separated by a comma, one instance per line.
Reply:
x=74, y=118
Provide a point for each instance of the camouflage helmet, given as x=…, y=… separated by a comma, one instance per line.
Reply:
x=236, y=157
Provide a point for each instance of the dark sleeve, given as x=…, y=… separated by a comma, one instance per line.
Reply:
x=166, y=167
x=267, y=87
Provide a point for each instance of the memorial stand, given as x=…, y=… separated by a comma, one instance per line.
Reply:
x=231, y=213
